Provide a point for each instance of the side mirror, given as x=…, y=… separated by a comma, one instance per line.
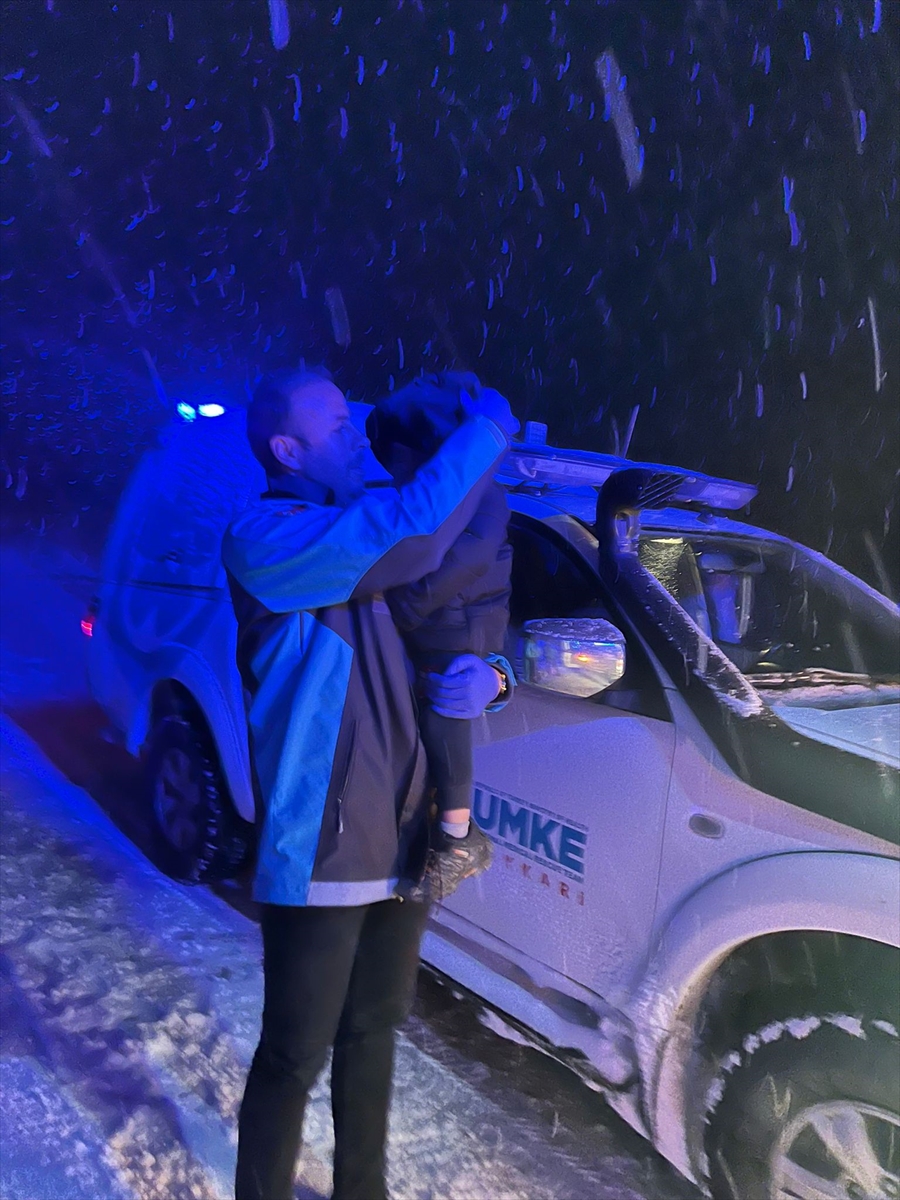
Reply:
x=578, y=657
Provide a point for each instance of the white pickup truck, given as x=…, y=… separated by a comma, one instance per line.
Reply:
x=695, y=798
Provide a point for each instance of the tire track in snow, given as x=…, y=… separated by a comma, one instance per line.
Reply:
x=93, y=1020
x=143, y=997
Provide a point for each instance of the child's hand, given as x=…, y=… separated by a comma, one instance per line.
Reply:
x=465, y=689
x=489, y=403
x=464, y=381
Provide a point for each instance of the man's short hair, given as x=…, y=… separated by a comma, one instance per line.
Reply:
x=268, y=410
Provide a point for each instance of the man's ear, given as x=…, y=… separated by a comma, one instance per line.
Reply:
x=287, y=450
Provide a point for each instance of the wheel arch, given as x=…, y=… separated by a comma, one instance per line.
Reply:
x=188, y=681
x=808, y=893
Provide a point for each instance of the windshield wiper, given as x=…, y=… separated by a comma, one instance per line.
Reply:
x=819, y=677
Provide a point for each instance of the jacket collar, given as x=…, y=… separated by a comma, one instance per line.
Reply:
x=299, y=487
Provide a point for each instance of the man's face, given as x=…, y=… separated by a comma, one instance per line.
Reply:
x=321, y=443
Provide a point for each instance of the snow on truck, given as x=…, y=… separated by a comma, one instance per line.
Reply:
x=694, y=798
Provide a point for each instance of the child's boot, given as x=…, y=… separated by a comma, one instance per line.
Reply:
x=454, y=859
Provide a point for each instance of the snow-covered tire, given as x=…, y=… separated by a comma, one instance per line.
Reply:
x=796, y=1092
x=198, y=835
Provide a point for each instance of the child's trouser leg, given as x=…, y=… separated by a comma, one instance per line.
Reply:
x=459, y=848
x=448, y=744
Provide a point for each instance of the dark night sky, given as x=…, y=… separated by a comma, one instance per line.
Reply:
x=180, y=200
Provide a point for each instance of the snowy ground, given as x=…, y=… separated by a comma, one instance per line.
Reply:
x=129, y=1005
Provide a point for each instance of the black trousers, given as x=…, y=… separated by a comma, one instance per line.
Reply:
x=448, y=745
x=341, y=977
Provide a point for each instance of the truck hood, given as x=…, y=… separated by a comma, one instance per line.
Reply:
x=872, y=730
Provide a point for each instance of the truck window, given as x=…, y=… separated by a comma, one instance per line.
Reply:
x=549, y=581
x=546, y=581
x=774, y=608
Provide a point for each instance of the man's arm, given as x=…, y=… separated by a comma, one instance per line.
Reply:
x=291, y=556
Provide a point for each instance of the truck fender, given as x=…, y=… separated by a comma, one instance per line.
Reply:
x=833, y=891
x=223, y=714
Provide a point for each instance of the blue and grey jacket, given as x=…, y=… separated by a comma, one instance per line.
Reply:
x=339, y=766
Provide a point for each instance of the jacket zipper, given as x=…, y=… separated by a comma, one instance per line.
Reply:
x=346, y=779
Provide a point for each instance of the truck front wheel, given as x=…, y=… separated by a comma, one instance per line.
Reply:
x=808, y=1109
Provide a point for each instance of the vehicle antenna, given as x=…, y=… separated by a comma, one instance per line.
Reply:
x=630, y=430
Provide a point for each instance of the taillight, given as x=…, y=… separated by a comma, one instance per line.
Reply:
x=87, y=621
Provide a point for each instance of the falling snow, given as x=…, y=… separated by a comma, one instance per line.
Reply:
x=162, y=177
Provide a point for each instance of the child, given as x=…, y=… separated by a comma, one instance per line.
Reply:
x=461, y=608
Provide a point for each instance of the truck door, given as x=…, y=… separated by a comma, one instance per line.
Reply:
x=572, y=792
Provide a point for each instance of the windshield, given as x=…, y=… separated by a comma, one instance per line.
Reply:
x=785, y=617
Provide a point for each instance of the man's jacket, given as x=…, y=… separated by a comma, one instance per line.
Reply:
x=338, y=762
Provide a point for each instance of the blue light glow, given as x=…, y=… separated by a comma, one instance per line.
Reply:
x=187, y=411
x=210, y=410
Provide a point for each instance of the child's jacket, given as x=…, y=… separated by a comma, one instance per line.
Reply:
x=463, y=606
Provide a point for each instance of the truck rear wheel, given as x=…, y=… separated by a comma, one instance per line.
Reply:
x=198, y=835
x=808, y=1109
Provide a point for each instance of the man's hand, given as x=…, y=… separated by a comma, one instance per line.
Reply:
x=488, y=402
x=465, y=689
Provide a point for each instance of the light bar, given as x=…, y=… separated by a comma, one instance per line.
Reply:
x=715, y=493
x=549, y=465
